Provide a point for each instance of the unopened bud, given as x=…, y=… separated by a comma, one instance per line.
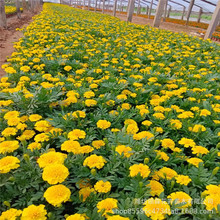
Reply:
x=12, y=179
x=141, y=184
x=215, y=171
x=218, y=145
x=26, y=157
x=6, y=203
x=146, y=160
x=93, y=172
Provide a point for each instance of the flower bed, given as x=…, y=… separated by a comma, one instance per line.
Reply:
x=9, y=10
x=101, y=119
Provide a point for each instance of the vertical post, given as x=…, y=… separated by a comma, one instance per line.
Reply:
x=151, y=6
x=214, y=22
x=130, y=10
x=121, y=7
x=159, y=13
x=103, y=6
x=147, y=10
x=89, y=4
x=165, y=10
x=114, y=8
x=168, y=14
x=24, y=6
x=96, y=2
x=189, y=11
x=200, y=14
x=18, y=9
x=138, y=7
x=184, y=9
x=3, y=22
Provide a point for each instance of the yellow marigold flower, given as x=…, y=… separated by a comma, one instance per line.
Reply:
x=142, y=135
x=13, y=121
x=162, y=155
x=76, y=217
x=122, y=149
x=165, y=173
x=79, y=114
x=35, y=117
x=187, y=142
x=186, y=114
x=67, y=68
x=114, y=130
x=26, y=135
x=212, y=190
x=197, y=128
x=55, y=173
x=110, y=102
x=141, y=169
x=132, y=129
x=10, y=70
x=199, y=150
x=41, y=137
x=25, y=69
x=89, y=94
x=9, y=131
x=94, y=161
x=156, y=188
x=168, y=143
x=8, y=163
x=86, y=149
x=159, y=129
x=8, y=146
x=146, y=123
x=42, y=125
x=103, y=187
x=194, y=161
x=175, y=123
x=159, y=116
x=107, y=205
x=143, y=112
x=11, y=114
x=183, y=180
x=85, y=192
x=212, y=202
x=51, y=158
x=116, y=217
x=34, y=146
x=34, y=212
x=10, y=214
x=180, y=197
x=56, y=195
x=126, y=106
x=156, y=209
x=36, y=60
x=21, y=126
x=90, y=102
x=122, y=96
x=130, y=121
x=71, y=146
x=76, y=134
x=103, y=124
x=204, y=112
x=98, y=144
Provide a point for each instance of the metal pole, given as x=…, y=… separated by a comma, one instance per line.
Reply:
x=114, y=8
x=165, y=11
x=151, y=5
x=214, y=22
x=159, y=13
x=3, y=21
x=189, y=11
x=130, y=10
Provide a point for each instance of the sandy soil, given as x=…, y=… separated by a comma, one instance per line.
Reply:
x=10, y=35
x=164, y=25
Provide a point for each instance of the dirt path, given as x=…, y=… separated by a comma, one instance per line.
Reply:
x=10, y=35
x=164, y=25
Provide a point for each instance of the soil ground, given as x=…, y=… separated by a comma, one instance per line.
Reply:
x=164, y=25
x=10, y=35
